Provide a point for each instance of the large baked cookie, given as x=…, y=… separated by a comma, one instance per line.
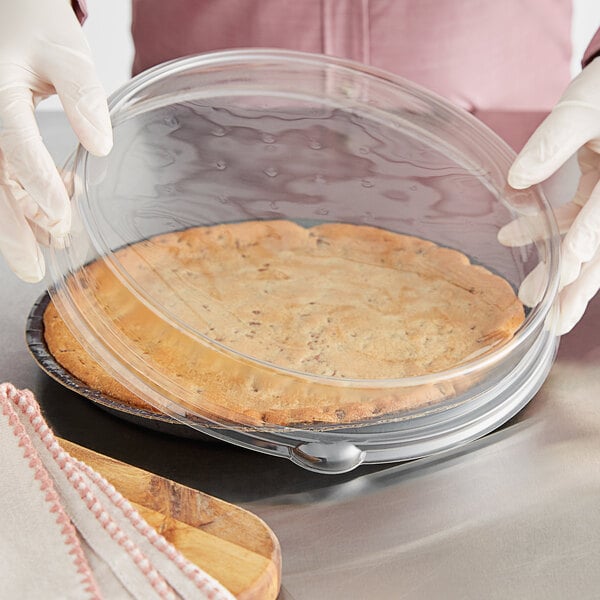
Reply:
x=335, y=300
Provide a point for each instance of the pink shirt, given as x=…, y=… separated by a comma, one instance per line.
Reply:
x=481, y=54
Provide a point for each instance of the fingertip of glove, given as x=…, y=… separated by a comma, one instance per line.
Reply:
x=517, y=180
x=101, y=146
x=31, y=277
x=514, y=235
x=91, y=118
x=99, y=143
x=504, y=235
x=532, y=287
x=527, y=297
x=34, y=271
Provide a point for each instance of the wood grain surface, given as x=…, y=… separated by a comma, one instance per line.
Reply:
x=226, y=541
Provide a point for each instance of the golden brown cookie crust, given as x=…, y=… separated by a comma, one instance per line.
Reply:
x=334, y=300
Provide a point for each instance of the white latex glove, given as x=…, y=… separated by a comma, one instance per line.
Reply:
x=42, y=51
x=573, y=125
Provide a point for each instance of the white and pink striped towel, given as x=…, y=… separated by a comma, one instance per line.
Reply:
x=65, y=532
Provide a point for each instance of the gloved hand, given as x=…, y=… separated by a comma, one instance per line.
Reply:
x=573, y=125
x=42, y=51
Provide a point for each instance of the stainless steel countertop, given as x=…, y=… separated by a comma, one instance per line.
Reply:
x=514, y=515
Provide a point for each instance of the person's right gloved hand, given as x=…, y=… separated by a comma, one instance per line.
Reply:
x=42, y=51
x=572, y=127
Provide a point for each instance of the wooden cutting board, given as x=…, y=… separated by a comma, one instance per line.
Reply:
x=229, y=543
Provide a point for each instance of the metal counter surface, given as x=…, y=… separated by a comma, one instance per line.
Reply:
x=514, y=515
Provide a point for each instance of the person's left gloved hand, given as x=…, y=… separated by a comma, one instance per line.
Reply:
x=42, y=51
x=573, y=125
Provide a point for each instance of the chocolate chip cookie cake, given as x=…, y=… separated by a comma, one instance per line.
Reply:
x=285, y=318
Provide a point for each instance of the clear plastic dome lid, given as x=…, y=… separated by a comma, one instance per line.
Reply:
x=234, y=260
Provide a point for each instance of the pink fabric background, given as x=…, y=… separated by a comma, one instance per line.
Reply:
x=509, y=55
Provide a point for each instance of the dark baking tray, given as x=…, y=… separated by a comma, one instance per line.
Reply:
x=34, y=334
